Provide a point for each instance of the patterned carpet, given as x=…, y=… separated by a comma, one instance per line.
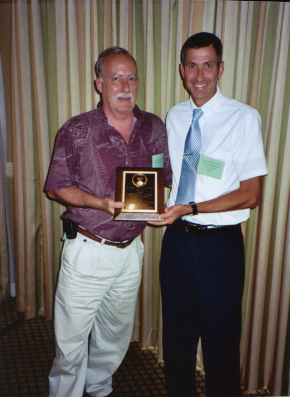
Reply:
x=26, y=354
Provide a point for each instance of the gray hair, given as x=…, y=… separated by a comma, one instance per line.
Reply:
x=99, y=66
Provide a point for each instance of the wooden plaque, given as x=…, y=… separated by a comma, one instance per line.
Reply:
x=142, y=191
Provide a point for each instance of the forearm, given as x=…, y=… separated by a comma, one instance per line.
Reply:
x=78, y=198
x=247, y=196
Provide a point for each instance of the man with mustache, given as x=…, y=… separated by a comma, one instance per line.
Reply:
x=101, y=259
x=217, y=160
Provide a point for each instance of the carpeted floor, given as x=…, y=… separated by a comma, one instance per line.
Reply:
x=26, y=354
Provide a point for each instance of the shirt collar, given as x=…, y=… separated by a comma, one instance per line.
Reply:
x=210, y=105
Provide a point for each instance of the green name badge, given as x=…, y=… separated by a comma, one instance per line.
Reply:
x=210, y=167
x=157, y=160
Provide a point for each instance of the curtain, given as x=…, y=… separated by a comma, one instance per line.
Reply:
x=54, y=45
x=7, y=266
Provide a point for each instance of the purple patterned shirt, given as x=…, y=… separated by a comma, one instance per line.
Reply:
x=86, y=153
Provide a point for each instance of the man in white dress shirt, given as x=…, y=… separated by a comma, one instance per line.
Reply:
x=202, y=261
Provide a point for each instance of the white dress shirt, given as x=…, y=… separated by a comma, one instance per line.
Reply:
x=230, y=132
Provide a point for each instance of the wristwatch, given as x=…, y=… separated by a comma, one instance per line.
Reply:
x=194, y=208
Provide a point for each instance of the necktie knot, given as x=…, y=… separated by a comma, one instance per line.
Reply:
x=197, y=113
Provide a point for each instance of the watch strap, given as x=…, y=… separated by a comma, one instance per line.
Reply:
x=194, y=208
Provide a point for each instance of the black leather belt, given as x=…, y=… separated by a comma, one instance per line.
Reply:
x=194, y=228
x=100, y=240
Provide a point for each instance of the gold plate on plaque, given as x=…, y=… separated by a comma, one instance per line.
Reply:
x=142, y=191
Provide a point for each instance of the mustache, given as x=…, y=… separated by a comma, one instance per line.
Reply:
x=124, y=95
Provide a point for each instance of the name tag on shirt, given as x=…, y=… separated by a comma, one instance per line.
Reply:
x=157, y=160
x=210, y=167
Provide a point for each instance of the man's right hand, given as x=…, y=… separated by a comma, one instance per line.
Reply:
x=109, y=205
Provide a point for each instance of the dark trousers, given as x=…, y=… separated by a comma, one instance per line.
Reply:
x=202, y=281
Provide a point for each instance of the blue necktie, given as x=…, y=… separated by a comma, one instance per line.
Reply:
x=187, y=181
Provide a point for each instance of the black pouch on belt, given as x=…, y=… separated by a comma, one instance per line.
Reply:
x=69, y=228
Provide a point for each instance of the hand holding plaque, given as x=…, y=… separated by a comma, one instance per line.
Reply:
x=142, y=191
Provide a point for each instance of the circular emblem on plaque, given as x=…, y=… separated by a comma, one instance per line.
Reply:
x=139, y=180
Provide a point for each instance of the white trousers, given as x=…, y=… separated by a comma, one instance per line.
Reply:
x=96, y=294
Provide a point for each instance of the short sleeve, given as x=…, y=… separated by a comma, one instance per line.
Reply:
x=250, y=158
x=63, y=171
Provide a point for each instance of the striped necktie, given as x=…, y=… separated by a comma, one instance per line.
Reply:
x=187, y=181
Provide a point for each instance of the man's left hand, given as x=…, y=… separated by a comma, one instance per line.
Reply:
x=171, y=214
